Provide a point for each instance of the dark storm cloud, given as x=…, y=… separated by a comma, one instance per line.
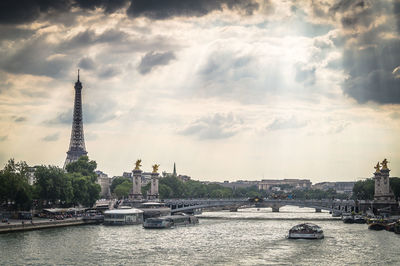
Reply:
x=51, y=137
x=153, y=59
x=87, y=63
x=89, y=37
x=368, y=58
x=33, y=59
x=26, y=11
x=217, y=126
x=12, y=33
x=163, y=9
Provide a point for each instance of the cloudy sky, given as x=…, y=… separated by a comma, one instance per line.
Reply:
x=227, y=89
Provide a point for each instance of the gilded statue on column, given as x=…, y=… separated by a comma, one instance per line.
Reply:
x=138, y=164
x=155, y=168
x=384, y=164
x=377, y=168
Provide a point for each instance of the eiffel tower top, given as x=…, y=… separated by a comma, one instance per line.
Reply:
x=78, y=84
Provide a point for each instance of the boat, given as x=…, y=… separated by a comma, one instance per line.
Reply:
x=397, y=227
x=124, y=216
x=93, y=216
x=377, y=225
x=170, y=221
x=154, y=209
x=390, y=227
x=348, y=219
x=306, y=231
x=358, y=219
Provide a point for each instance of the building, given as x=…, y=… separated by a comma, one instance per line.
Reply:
x=267, y=184
x=183, y=178
x=31, y=175
x=77, y=143
x=105, y=182
x=339, y=187
x=127, y=174
x=239, y=184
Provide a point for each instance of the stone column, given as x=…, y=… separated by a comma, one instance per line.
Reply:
x=137, y=184
x=378, y=187
x=154, y=186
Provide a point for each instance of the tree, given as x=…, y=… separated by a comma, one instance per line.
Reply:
x=52, y=185
x=364, y=189
x=122, y=190
x=395, y=186
x=165, y=191
x=14, y=186
x=84, y=167
x=176, y=185
x=83, y=180
x=118, y=180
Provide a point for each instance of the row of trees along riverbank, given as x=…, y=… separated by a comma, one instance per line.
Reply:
x=365, y=189
x=53, y=186
x=172, y=187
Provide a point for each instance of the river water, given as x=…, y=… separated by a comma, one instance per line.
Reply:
x=247, y=237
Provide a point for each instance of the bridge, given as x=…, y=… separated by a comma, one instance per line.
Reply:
x=190, y=205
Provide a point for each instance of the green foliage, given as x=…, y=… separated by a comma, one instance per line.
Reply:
x=165, y=191
x=318, y=194
x=84, y=167
x=14, y=186
x=78, y=186
x=364, y=189
x=122, y=190
x=52, y=185
x=117, y=181
x=176, y=185
x=395, y=186
x=172, y=187
x=146, y=188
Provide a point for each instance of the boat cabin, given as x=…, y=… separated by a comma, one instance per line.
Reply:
x=123, y=216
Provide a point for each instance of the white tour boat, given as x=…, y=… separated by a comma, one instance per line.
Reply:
x=306, y=231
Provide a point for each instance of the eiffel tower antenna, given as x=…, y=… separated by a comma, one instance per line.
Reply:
x=77, y=143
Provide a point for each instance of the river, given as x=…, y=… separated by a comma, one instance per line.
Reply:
x=246, y=237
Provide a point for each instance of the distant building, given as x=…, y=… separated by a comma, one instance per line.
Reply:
x=339, y=187
x=183, y=178
x=239, y=184
x=146, y=178
x=31, y=175
x=105, y=182
x=267, y=184
x=127, y=174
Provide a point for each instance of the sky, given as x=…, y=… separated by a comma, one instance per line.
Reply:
x=227, y=89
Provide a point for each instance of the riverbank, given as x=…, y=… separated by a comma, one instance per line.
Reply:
x=268, y=218
x=27, y=225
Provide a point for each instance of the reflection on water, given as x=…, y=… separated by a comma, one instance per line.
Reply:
x=214, y=241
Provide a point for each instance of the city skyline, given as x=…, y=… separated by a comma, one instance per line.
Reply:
x=226, y=89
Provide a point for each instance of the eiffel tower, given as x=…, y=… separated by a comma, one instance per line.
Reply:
x=77, y=143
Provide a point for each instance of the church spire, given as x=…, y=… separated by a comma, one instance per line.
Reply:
x=174, y=173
